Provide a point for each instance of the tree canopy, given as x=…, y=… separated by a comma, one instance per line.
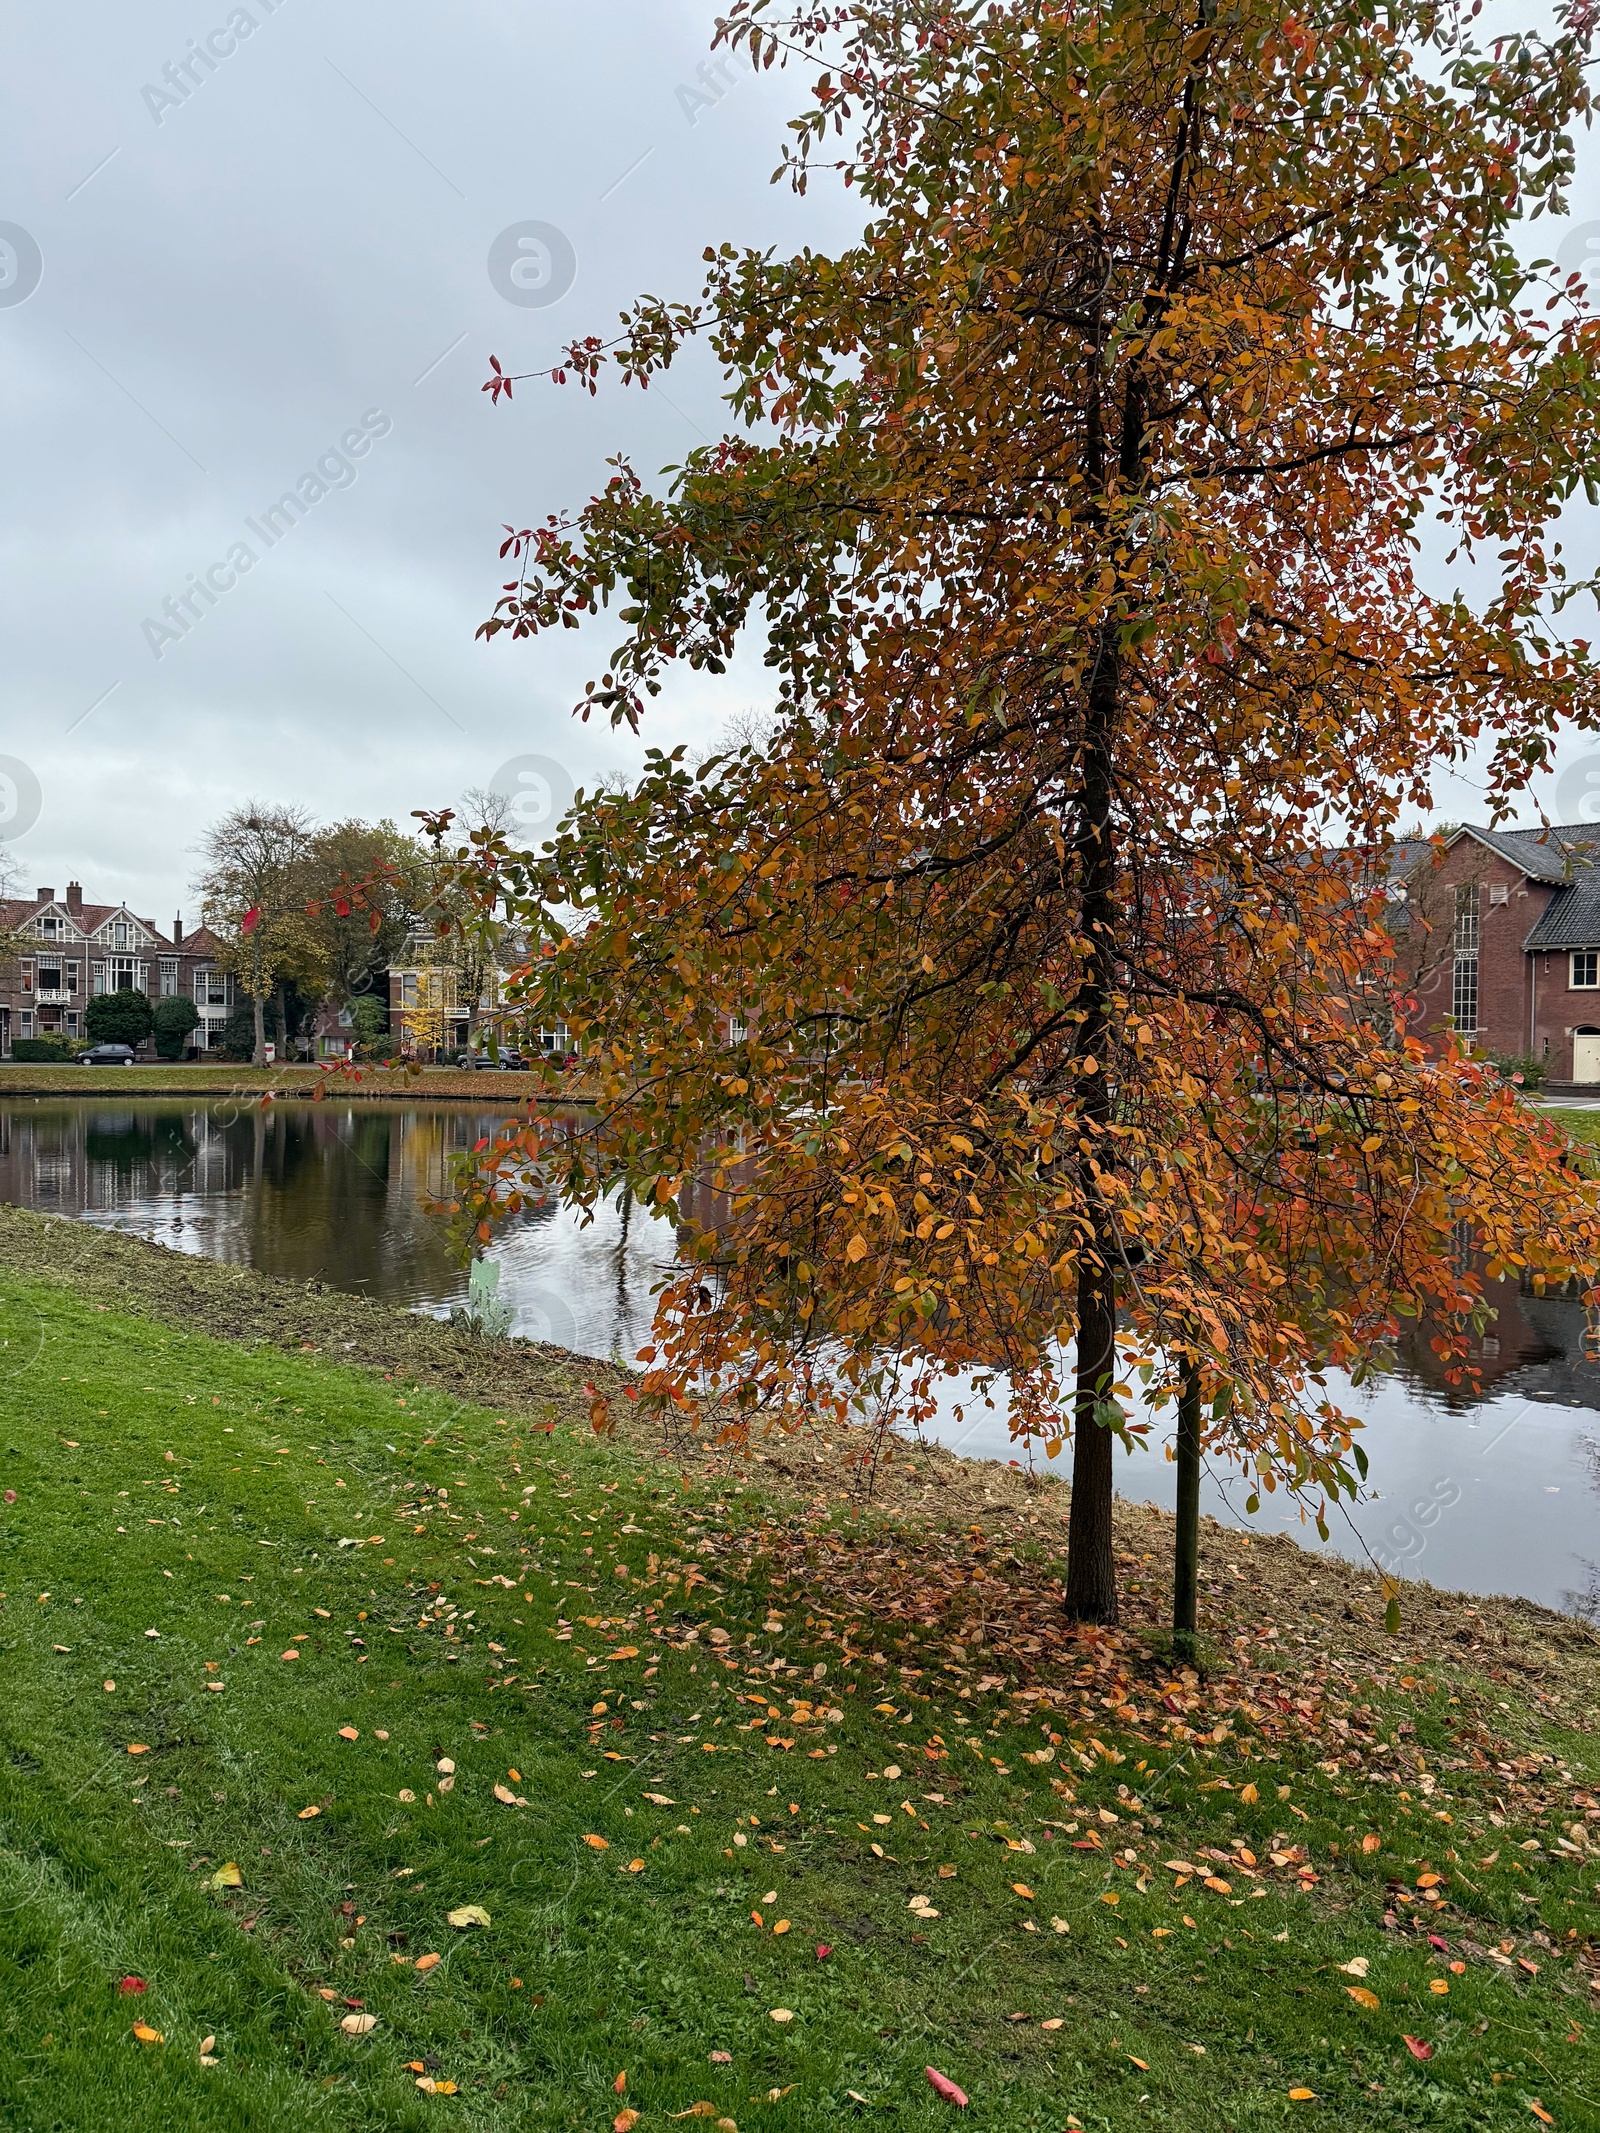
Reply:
x=1027, y=989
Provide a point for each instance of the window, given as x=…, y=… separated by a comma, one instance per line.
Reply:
x=27, y=1022
x=213, y=988
x=72, y=977
x=1500, y=892
x=97, y=977
x=1464, y=985
x=119, y=934
x=169, y=976
x=124, y=974
x=50, y=977
x=1586, y=970
x=50, y=928
x=72, y=1024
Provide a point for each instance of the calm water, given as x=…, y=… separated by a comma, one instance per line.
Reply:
x=1497, y=1495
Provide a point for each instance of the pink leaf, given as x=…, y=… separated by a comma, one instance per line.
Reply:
x=945, y=2087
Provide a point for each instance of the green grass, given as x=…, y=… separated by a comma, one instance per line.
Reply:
x=591, y=1965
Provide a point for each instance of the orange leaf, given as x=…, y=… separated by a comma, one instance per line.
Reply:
x=147, y=2035
x=1363, y=1996
x=598, y=1844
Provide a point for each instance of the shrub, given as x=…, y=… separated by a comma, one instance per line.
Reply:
x=118, y=1017
x=173, y=1018
x=45, y=1050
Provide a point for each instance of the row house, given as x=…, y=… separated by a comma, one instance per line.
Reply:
x=69, y=950
x=1500, y=939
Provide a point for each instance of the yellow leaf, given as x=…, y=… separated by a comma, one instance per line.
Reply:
x=227, y=1876
x=469, y=1914
x=782, y=1926
x=1249, y=1795
x=1022, y=1889
x=359, y=2025
x=1438, y=1984
x=307, y=1813
x=1141, y=2064
x=1363, y=1996
x=635, y=1866
x=147, y=2035
x=598, y=1844
x=137, y=1747
x=1302, y=2095
x=782, y=2014
x=1214, y=1881
x=856, y=1249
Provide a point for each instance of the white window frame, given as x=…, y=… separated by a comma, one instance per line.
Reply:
x=1588, y=960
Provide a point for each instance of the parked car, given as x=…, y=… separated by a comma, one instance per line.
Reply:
x=107, y=1055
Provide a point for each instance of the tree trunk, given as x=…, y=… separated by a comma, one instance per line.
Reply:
x=1186, y=1543
x=280, y=1003
x=259, y=1008
x=1091, y=1594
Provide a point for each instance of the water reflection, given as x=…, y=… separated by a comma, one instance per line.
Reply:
x=1490, y=1491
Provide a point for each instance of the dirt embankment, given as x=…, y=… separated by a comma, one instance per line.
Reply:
x=1323, y=1605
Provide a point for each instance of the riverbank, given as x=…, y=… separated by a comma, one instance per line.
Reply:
x=282, y=1083
x=736, y=1698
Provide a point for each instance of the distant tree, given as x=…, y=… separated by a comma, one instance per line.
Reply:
x=254, y=884
x=173, y=1019
x=369, y=1023
x=118, y=1017
x=361, y=936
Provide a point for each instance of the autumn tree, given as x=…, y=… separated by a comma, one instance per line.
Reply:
x=255, y=874
x=1025, y=991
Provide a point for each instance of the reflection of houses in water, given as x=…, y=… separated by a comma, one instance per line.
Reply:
x=1534, y=1345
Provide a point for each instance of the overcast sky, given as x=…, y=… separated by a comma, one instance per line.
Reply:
x=240, y=265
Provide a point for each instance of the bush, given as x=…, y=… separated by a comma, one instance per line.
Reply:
x=43, y=1051
x=1521, y=1067
x=369, y=1025
x=118, y=1017
x=173, y=1018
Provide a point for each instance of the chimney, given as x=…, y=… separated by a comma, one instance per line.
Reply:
x=47, y=896
x=177, y=928
x=75, y=898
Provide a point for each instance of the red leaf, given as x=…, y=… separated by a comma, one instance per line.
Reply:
x=823, y=1952
x=132, y=1984
x=1417, y=2049
x=945, y=2087
x=250, y=921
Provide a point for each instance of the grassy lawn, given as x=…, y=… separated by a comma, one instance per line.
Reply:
x=741, y=1857
x=177, y=1078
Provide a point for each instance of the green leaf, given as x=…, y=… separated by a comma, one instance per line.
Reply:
x=1391, y=1617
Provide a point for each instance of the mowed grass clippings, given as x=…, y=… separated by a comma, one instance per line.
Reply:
x=627, y=1730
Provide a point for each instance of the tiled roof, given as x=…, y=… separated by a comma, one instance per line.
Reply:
x=1551, y=855
x=1571, y=919
x=87, y=921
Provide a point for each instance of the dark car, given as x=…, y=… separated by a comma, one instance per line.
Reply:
x=107, y=1055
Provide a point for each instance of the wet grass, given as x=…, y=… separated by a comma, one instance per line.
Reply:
x=560, y=1618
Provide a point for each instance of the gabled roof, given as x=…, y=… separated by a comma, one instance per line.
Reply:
x=1554, y=855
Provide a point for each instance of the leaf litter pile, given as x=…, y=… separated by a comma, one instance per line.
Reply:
x=770, y=1795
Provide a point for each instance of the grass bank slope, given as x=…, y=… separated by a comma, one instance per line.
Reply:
x=744, y=1796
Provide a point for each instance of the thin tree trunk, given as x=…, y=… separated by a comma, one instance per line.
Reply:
x=259, y=1008
x=1186, y=1542
x=281, y=1003
x=1091, y=1593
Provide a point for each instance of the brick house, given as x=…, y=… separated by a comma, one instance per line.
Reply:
x=1502, y=938
x=70, y=950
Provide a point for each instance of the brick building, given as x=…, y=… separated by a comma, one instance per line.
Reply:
x=1502, y=938
x=71, y=950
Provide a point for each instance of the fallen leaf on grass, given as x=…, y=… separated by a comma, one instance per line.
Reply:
x=1054, y=2022
x=137, y=1747
x=1539, y=2111
x=426, y=1963
x=701, y=2109
x=132, y=1984
x=291, y=1653
x=1371, y=1843
x=660, y=1799
x=1358, y=1966
x=1302, y=2095
x=207, y=2044
x=1362, y=1997
x=349, y=1733
x=1022, y=1889
x=1142, y=2064
x=625, y=2121
x=358, y=2025
x=147, y=2035
x=227, y=1876
x=720, y=2058
x=1416, y=2047
x=598, y=1844
x=823, y=1952
x=430, y=2087
x=943, y=2086
x=307, y=1814
x=782, y=2014
x=1438, y=1984
x=469, y=1914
